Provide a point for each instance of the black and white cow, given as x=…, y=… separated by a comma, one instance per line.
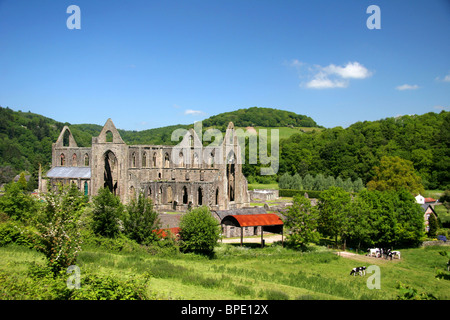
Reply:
x=387, y=253
x=360, y=270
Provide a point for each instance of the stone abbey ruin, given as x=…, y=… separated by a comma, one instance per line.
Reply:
x=176, y=178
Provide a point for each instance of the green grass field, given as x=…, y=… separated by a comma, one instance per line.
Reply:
x=250, y=272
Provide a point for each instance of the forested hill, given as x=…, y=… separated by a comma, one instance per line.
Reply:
x=263, y=117
x=26, y=140
x=354, y=151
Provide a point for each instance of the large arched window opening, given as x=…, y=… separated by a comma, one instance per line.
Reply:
x=200, y=196
x=133, y=160
x=185, y=195
x=154, y=159
x=132, y=193
x=109, y=136
x=169, y=194
x=66, y=138
x=110, y=173
x=166, y=160
x=144, y=160
x=180, y=159
x=231, y=161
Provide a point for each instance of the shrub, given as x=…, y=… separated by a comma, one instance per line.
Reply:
x=14, y=232
x=301, y=220
x=241, y=290
x=42, y=284
x=94, y=287
x=60, y=239
x=107, y=213
x=276, y=295
x=199, y=231
x=141, y=220
x=17, y=203
x=409, y=293
x=292, y=192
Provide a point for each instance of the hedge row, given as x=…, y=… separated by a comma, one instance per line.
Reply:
x=311, y=193
x=292, y=192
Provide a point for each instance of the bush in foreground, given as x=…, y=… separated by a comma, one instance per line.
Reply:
x=199, y=231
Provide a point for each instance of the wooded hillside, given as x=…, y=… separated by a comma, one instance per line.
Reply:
x=26, y=139
x=354, y=151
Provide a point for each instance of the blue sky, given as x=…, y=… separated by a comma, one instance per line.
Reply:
x=148, y=64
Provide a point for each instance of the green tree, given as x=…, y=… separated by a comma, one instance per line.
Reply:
x=22, y=181
x=301, y=220
x=18, y=204
x=308, y=182
x=329, y=182
x=333, y=213
x=360, y=231
x=433, y=226
x=319, y=182
x=141, y=220
x=107, y=214
x=358, y=185
x=348, y=185
x=409, y=224
x=199, y=231
x=297, y=182
x=339, y=183
x=285, y=181
x=395, y=173
x=60, y=240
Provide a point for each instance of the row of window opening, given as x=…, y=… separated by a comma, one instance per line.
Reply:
x=74, y=161
x=153, y=163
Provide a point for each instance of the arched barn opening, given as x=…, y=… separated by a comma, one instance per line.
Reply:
x=251, y=222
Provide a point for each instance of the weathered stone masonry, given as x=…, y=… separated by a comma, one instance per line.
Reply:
x=174, y=177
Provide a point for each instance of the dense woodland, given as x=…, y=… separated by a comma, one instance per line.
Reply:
x=264, y=117
x=353, y=152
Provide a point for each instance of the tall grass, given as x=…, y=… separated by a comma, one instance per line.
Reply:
x=252, y=273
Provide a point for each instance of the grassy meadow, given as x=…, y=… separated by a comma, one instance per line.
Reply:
x=248, y=272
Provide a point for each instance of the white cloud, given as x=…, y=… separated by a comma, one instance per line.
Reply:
x=440, y=108
x=321, y=81
x=352, y=70
x=296, y=63
x=333, y=76
x=407, y=87
x=193, y=112
x=445, y=79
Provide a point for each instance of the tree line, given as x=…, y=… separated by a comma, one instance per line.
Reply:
x=354, y=152
x=371, y=218
x=318, y=182
x=257, y=116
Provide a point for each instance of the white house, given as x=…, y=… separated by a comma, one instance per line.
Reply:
x=420, y=199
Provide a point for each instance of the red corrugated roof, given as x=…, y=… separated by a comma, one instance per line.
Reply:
x=430, y=200
x=163, y=232
x=253, y=220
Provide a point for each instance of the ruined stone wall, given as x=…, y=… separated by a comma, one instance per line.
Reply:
x=175, y=177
